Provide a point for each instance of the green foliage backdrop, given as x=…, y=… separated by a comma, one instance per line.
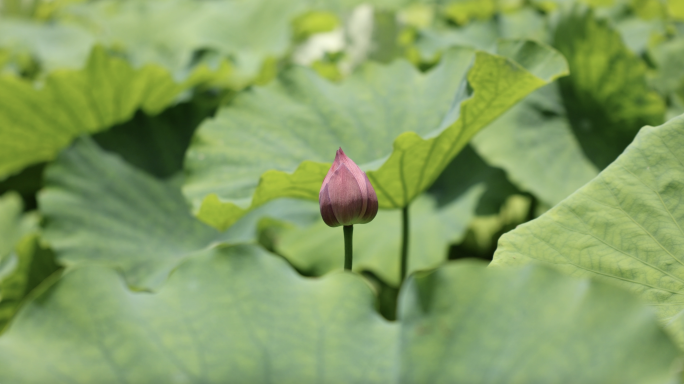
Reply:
x=160, y=162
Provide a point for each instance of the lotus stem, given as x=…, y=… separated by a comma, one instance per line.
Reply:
x=348, y=252
x=404, y=242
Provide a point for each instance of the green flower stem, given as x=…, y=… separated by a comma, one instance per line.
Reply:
x=348, y=232
x=404, y=242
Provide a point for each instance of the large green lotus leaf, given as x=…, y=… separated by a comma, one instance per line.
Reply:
x=534, y=144
x=319, y=249
x=301, y=117
x=392, y=120
x=625, y=225
x=242, y=315
x=534, y=141
x=465, y=323
x=100, y=209
x=606, y=97
x=36, y=123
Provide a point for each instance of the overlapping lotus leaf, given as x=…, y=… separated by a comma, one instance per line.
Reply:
x=243, y=315
x=101, y=210
x=401, y=126
x=625, y=225
x=37, y=122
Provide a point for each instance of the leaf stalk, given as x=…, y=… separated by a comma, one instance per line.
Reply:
x=404, y=243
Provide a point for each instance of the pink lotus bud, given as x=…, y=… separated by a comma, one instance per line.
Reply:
x=347, y=196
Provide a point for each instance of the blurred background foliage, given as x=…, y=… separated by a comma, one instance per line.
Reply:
x=625, y=59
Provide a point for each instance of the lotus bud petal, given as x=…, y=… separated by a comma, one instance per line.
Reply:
x=347, y=196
